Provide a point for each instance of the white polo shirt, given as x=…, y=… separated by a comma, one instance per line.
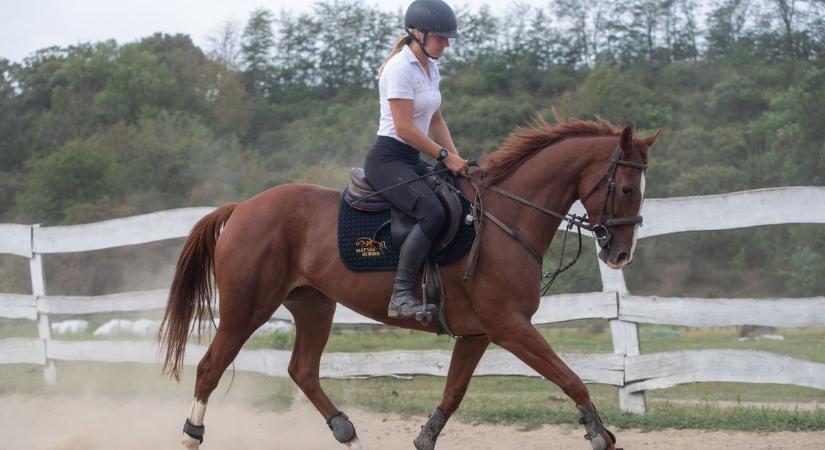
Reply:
x=404, y=78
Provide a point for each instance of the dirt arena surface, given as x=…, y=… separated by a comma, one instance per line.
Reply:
x=92, y=423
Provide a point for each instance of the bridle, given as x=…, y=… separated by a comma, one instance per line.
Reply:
x=600, y=230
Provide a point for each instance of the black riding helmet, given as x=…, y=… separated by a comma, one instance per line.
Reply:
x=431, y=16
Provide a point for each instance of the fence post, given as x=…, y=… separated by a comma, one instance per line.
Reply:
x=44, y=328
x=625, y=335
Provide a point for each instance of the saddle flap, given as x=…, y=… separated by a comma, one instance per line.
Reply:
x=400, y=226
x=454, y=216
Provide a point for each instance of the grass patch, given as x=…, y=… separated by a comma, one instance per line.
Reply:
x=530, y=403
x=739, y=392
x=802, y=343
x=17, y=328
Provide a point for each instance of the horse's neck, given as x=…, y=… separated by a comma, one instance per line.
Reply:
x=550, y=178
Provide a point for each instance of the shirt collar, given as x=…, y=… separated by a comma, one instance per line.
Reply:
x=408, y=53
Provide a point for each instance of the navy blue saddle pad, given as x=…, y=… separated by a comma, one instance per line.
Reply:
x=363, y=250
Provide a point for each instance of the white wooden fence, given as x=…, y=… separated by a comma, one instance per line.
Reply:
x=633, y=372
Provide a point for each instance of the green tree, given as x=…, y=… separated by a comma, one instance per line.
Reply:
x=803, y=273
x=351, y=51
x=79, y=172
x=11, y=145
x=479, y=36
x=296, y=53
x=620, y=96
x=258, y=42
x=139, y=84
x=726, y=24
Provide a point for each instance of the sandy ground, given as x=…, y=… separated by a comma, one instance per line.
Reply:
x=91, y=423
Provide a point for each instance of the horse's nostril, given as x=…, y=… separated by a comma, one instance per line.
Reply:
x=623, y=256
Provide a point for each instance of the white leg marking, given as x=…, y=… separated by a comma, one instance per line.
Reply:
x=196, y=413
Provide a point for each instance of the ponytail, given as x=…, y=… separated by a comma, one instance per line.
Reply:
x=402, y=41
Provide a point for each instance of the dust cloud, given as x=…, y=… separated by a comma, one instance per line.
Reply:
x=89, y=422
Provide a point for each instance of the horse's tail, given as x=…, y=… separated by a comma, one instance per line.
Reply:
x=191, y=291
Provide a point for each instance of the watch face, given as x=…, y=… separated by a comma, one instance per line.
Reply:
x=442, y=154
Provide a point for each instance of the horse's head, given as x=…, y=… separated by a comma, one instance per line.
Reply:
x=612, y=194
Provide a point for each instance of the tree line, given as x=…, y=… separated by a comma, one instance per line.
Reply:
x=340, y=43
x=101, y=130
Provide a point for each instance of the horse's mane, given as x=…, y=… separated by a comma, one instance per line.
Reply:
x=525, y=141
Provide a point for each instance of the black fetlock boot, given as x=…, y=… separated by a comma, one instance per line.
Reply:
x=430, y=431
x=595, y=428
x=404, y=304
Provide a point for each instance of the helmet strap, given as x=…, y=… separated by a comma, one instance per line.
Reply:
x=422, y=43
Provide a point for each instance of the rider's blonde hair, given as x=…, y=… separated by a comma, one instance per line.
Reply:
x=402, y=41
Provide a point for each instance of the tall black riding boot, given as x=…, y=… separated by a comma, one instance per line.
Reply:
x=414, y=250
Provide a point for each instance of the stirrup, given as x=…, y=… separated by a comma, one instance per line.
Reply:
x=423, y=313
x=424, y=317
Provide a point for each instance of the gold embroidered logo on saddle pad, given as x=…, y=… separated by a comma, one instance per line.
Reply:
x=366, y=247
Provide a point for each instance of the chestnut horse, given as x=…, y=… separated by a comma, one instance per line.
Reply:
x=280, y=248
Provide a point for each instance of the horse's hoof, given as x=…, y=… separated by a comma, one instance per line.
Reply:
x=354, y=444
x=189, y=442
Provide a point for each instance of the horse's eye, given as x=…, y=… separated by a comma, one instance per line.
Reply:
x=627, y=190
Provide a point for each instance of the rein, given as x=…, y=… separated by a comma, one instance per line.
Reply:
x=600, y=231
x=572, y=220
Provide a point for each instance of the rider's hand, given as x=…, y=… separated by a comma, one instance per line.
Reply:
x=456, y=164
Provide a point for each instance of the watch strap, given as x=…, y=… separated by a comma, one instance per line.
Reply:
x=442, y=154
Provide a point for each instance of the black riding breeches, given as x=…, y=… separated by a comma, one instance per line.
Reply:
x=390, y=162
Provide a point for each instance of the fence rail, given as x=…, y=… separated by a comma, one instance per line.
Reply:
x=627, y=368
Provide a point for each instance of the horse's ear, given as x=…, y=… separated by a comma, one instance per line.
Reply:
x=648, y=141
x=626, y=140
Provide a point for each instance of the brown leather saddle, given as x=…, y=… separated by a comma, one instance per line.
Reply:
x=400, y=223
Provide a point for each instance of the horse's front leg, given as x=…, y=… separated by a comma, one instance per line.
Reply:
x=466, y=354
x=518, y=335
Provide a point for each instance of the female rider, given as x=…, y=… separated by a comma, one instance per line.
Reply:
x=411, y=123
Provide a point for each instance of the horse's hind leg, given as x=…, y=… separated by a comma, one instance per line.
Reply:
x=466, y=354
x=520, y=337
x=218, y=356
x=313, y=313
x=237, y=324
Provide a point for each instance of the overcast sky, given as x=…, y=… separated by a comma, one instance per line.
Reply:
x=29, y=25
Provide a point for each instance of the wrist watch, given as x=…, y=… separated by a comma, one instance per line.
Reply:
x=443, y=153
